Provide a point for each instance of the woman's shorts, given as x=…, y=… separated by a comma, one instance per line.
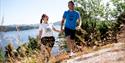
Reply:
x=48, y=41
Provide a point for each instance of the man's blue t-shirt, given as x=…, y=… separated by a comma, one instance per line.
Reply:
x=71, y=19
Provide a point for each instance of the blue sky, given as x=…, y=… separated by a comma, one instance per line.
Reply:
x=30, y=11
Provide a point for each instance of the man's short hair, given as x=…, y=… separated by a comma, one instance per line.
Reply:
x=71, y=2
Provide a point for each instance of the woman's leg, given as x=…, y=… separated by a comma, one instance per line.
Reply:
x=49, y=50
x=50, y=44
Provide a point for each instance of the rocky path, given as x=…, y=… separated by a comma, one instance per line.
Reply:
x=114, y=54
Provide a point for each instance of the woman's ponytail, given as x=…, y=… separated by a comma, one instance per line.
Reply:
x=41, y=21
x=42, y=18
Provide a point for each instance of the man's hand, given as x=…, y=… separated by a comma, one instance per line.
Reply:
x=78, y=28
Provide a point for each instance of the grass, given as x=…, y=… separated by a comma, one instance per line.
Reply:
x=1, y=55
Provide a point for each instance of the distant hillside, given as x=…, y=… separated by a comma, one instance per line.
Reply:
x=20, y=27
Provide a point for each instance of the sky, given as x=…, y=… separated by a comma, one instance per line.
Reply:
x=30, y=11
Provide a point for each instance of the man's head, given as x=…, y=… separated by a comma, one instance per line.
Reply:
x=71, y=5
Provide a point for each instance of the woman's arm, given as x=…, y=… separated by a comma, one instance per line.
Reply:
x=40, y=34
x=56, y=29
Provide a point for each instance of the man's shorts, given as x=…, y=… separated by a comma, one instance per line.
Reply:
x=70, y=32
x=48, y=41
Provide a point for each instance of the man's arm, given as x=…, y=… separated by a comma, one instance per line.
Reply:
x=79, y=21
x=79, y=24
x=62, y=23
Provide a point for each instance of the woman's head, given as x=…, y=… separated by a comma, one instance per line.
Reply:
x=71, y=5
x=44, y=18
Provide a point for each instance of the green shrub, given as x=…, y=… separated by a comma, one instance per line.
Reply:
x=33, y=43
x=1, y=55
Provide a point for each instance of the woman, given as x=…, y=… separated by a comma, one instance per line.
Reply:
x=46, y=33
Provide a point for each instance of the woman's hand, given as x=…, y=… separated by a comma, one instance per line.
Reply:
x=62, y=30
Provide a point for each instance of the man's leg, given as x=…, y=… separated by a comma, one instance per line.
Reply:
x=72, y=45
x=68, y=33
x=68, y=41
x=72, y=39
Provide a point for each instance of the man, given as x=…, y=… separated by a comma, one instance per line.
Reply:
x=71, y=17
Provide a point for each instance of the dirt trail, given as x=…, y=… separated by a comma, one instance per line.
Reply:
x=114, y=54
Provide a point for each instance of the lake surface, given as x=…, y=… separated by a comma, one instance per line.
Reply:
x=16, y=37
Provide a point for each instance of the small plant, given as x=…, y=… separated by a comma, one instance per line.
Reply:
x=9, y=53
x=33, y=43
x=1, y=55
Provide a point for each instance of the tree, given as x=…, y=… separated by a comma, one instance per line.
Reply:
x=99, y=19
x=100, y=10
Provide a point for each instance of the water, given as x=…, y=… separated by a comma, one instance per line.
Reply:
x=16, y=38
